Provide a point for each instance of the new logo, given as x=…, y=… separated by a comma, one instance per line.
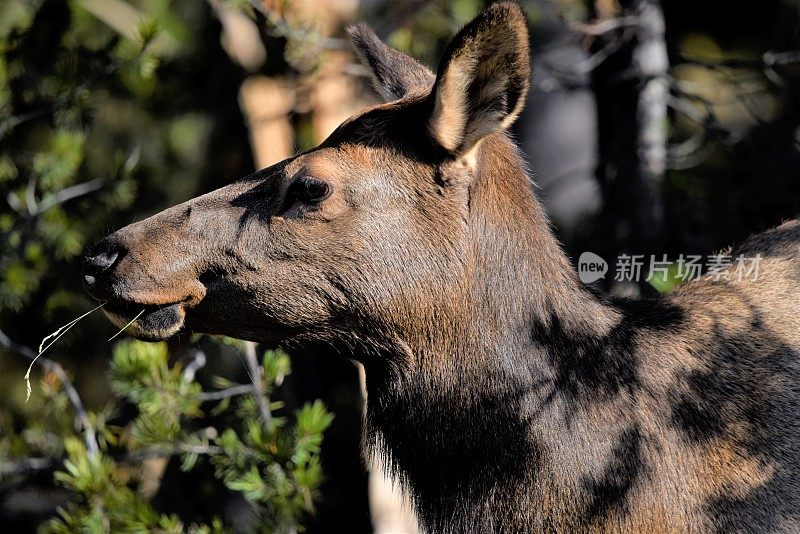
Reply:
x=591, y=267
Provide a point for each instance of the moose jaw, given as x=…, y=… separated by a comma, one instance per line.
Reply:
x=503, y=394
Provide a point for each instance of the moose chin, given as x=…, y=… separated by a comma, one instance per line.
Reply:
x=155, y=323
x=503, y=394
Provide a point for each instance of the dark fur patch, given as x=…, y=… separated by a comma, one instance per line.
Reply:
x=589, y=367
x=752, y=382
x=621, y=474
x=453, y=448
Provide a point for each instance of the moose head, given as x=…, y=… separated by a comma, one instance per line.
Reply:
x=362, y=239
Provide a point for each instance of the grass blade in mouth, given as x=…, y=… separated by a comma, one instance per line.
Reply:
x=57, y=335
x=127, y=325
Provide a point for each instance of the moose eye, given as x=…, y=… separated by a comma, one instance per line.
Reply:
x=310, y=190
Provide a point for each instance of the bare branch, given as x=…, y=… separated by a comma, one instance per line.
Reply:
x=691, y=152
x=14, y=203
x=279, y=28
x=29, y=466
x=25, y=466
x=161, y=451
x=68, y=193
x=256, y=374
x=690, y=112
x=54, y=367
x=605, y=26
x=771, y=58
x=232, y=391
x=30, y=197
x=197, y=362
x=587, y=65
x=768, y=59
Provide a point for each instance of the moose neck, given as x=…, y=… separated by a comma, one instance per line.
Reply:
x=455, y=424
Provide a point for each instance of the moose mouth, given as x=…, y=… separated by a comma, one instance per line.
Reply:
x=147, y=322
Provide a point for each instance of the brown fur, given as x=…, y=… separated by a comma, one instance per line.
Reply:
x=503, y=394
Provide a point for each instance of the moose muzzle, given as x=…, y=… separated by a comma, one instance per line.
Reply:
x=133, y=289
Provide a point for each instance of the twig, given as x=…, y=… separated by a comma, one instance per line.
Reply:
x=709, y=121
x=690, y=112
x=781, y=58
x=168, y=450
x=279, y=28
x=72, y=393
x=691, y=152
x=25, y=466
x=605, y=26
x=68, y=193
x=197, y=361
x=232, y=391
x=767, y=59
x=587, y=65
x=30, y=197
x=257, y=377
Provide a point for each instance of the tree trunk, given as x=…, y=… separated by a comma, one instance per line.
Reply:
x=632, y=91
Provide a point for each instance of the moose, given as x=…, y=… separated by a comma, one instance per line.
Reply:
x=503, y=394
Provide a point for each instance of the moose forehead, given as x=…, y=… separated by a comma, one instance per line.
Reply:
x=380, y=153
x=397, y=128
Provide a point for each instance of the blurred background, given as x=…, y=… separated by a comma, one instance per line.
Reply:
x=651, y=128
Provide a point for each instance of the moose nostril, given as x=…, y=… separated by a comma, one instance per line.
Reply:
x=104, y=260
x=95, y=265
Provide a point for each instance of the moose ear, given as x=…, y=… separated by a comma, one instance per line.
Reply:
x=482, y=79
x=394, y=74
